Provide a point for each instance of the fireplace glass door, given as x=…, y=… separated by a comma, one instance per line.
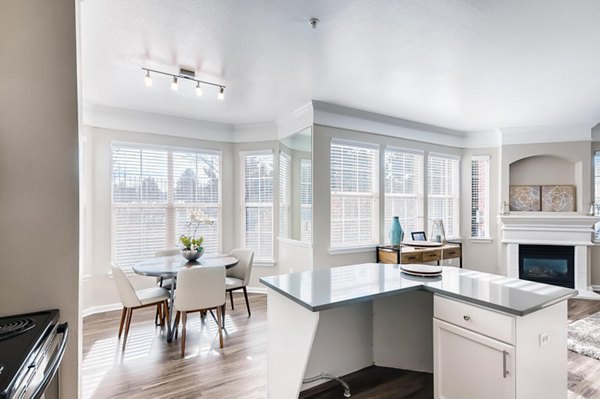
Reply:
x=550, y=264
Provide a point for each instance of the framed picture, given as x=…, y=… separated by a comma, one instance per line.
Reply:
x=418, y=236
x=525, y=198
x=558, y=198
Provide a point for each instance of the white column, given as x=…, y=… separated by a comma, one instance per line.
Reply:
x=512, y=260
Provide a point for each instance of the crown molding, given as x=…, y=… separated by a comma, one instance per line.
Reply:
x=332, y=115
x=546, y=134
x=353, y=119
x=253, y=132
x=145, y=122
x=295, y=120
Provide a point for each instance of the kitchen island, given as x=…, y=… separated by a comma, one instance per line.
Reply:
x=480, y=334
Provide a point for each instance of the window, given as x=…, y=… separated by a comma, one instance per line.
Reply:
x=284, y=195
x=443, y=192
x=480, y=196
x=257, y=177
x=597, y=191
x=153, y=192
x=354, y=194
x=403, y=189
x=306, y=200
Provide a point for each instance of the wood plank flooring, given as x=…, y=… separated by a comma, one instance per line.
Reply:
x=151, y=368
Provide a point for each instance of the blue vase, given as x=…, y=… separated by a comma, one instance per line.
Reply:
x=396, y=232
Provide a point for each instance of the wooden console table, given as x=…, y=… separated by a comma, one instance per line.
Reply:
x=410, y=254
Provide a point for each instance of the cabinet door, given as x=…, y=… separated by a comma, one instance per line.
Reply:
x=468, y=365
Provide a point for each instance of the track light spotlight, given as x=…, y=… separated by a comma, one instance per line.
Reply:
x=174, y=85
x=148, y=79
x=221, y=95
x=198, y=89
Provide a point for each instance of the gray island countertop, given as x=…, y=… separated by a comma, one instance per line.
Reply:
x=323, y=289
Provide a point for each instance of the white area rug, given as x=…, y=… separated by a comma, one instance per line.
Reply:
x=583, y=336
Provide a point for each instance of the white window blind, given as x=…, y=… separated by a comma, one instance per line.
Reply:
x=284, y=194
x=153, y=191
x=403, y=190
x=480, y=196
x=354, y=194
x=257, y=172
x=306, y=200
x=443, y=192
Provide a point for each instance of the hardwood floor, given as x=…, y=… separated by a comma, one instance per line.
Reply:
x=152, y=368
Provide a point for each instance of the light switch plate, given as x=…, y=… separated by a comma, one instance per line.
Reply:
x=544, y=339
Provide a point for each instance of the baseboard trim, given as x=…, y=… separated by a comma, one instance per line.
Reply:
x=117, y=306
x=101, y=309
x=256, y=290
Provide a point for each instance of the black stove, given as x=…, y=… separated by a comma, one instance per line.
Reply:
x=27, y=342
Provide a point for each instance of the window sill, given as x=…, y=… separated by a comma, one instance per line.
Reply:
x=481, y=240
x=352, y=249
x=264, y=263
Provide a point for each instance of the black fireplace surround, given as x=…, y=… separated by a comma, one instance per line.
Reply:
x=550, y=264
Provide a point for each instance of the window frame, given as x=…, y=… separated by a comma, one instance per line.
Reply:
x=170, y=206
x=419, y=197
x=374, y=195
x=455, y=197
x=486, y=212
x=243, y=205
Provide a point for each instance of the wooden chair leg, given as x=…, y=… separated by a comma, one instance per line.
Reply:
x=127, y=324
x=183, y=332
x=231, y=298
x=159, y=314
x=247, y=303
x=123, y=314
x=220, y=326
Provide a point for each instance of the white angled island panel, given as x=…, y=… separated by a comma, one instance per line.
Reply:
x=486, y=327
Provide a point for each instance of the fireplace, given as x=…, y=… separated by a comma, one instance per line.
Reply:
x=550, y=264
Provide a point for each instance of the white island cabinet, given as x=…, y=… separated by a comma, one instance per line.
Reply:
x=481, y=335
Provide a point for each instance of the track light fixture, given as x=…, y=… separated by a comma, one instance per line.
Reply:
x=188, y=75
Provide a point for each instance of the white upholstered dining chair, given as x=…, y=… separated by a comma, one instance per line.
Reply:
x=239, y=275
x=199, y=289
x=132, y=299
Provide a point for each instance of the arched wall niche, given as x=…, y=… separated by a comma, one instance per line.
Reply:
x=542, y=170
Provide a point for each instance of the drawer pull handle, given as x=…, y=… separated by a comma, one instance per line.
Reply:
x=504, y=370
x=467, y=318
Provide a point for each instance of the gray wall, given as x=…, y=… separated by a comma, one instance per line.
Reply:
x=39, y=209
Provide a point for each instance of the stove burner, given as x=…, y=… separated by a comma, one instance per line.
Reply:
x=12, y=327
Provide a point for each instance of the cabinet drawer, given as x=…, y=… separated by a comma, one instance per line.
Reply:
x=412, y=257
x=484, y=321
x=388, y=256
x=431, y=256
x=452, y=253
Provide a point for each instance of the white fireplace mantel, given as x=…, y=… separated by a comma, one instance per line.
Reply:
x=543, y=228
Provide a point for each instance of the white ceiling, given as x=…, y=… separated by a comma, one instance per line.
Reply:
x=461, y=64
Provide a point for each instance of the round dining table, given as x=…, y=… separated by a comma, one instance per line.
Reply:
x=167, y=267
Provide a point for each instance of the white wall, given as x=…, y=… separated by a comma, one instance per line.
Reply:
x=39, y=209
